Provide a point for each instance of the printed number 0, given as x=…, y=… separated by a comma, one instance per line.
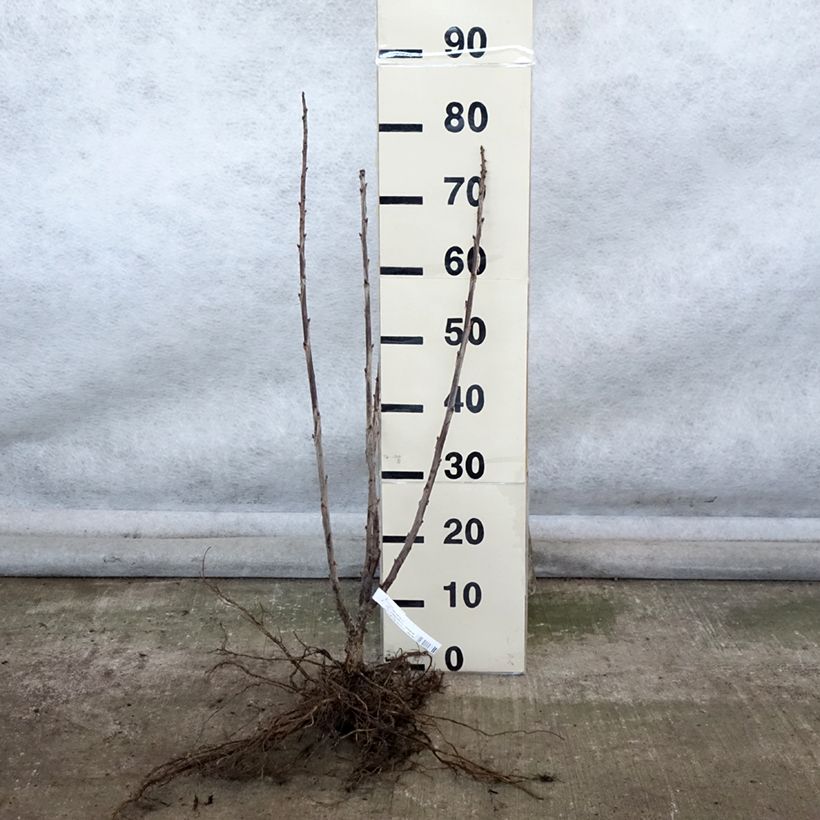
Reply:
x=454, y=658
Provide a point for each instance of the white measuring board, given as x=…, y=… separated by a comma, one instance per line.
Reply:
x=452, y=77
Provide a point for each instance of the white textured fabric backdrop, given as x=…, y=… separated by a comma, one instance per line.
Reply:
x=150, y=355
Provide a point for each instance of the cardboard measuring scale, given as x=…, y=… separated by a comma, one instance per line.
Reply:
x=453, y=77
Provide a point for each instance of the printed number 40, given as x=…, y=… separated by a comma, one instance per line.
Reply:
x=474, y=399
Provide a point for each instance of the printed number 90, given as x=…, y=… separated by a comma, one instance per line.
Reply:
x=475, y=41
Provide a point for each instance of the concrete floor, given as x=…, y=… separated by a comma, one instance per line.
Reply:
x=681, y=700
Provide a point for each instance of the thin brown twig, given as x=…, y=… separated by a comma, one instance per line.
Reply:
x=372, y=413
x=314, y=396
x=424, y=500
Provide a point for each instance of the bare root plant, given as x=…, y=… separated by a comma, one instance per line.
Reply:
x=377, y=710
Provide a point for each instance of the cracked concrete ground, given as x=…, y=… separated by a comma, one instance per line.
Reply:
x=678, y=700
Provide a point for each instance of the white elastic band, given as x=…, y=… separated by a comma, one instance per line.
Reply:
x=527, y=55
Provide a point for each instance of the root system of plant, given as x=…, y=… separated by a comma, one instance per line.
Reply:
x=376, y=712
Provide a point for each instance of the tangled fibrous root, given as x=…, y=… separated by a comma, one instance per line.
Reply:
x=376, y=710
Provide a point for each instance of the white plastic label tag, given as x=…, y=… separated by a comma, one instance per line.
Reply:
x=400, y=619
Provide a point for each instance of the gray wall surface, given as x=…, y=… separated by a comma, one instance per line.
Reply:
x=150, y=354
